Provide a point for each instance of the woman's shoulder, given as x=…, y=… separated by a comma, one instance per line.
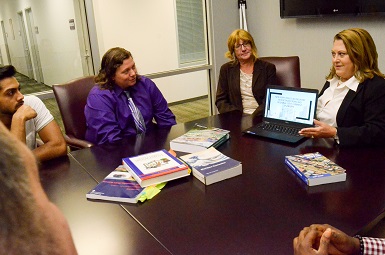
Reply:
x=97, y=90
x=98, y=94
x=230, y=65
x=144, y=83
x=374, y=87
x=376, y=81
x=145, y=80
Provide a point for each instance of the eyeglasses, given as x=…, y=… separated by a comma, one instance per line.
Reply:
x=245, y=45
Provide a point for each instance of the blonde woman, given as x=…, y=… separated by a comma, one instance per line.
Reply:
x=242, y=81
x=351, y=106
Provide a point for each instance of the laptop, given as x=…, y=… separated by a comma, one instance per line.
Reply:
x=287, y=111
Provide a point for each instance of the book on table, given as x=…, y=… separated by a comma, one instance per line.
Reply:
x=199, y=138
x=155, y=167
x=118, y=186
x=315, y=168
x=211, y=166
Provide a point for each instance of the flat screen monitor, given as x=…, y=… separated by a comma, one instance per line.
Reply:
x=323, y=8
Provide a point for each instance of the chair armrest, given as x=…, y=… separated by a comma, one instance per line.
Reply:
x=76, y=144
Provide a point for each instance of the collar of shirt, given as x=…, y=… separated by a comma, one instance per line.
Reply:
x=119, y=91
x=352, y=83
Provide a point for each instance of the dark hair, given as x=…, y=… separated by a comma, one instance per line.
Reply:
x=7, y=72
x=111, y=61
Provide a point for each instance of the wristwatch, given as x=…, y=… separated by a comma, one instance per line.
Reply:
x=336, y=135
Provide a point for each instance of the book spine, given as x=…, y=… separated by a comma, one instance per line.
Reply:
x=132, y=172
x=164, y=172
x=199, y=176
x=296, y=171
x=220, y=141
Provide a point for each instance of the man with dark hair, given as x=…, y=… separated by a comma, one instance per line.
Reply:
x=27, y=116
x=30, y=223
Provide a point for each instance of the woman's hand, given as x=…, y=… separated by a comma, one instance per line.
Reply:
x=321, y=129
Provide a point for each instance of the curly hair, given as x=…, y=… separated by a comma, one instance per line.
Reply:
x=111, y=61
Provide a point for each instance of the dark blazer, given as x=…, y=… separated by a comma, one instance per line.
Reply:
x=361, y=116
x=228, y=96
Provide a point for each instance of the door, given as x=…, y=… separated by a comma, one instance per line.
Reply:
x=1, y=58
x=32, y=32
x=84, y=40
x=27, y=55
x=6, y=43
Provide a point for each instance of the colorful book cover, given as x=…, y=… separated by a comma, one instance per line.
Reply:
x=315, y=169
x=200, y=137
x=211, y=166
x=118, y=186
x=154, y=164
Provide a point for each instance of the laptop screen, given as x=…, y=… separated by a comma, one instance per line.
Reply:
x=291, y=104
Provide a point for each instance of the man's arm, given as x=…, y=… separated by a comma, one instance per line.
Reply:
x=54, y=143
x=23, y=114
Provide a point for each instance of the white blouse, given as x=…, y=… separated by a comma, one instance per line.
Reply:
x=248, y=101
x=330, y=101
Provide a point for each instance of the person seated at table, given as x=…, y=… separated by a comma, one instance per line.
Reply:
x=30, y=223
x=124, y=103
x=325, y=239
x=27, y=116
x=351, y=105
x=242, y=81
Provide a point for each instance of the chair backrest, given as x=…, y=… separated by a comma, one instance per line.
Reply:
x=288, y=70
x=71, y=98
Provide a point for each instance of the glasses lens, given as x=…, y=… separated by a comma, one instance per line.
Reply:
x=245, y=45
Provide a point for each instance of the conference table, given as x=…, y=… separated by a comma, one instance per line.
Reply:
x=258, y=212
x=97, y=228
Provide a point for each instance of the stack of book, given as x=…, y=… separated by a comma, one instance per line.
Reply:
x=200, y=138
x=155, y=167
x=211, y=166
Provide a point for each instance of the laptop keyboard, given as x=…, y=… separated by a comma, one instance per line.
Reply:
x=280, y=129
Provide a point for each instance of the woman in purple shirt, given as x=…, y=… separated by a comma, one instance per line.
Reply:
x=123, y=103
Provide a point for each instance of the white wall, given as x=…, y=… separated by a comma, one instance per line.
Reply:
x=310, y=39
x=148, y=30
x=128, y=23
x=58, y=45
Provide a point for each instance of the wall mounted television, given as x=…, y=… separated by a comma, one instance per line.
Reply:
x=327, y=8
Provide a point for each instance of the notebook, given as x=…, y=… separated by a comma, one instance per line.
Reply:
x=287, y=110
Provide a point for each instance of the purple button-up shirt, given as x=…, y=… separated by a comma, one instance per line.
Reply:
x=109, y=118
